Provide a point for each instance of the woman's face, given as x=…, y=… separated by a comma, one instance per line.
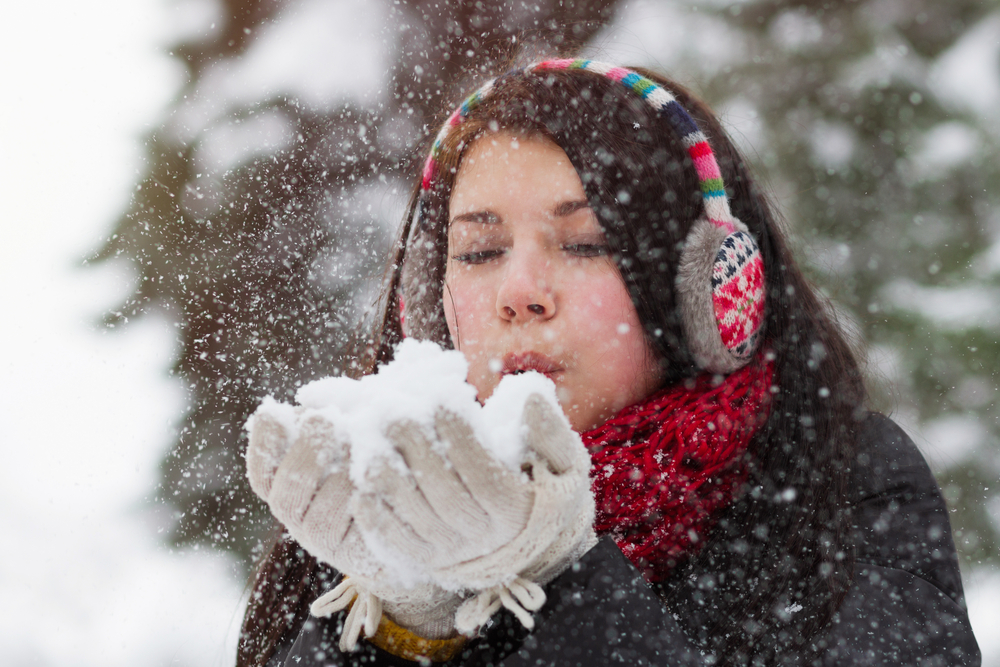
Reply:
x=530, y=285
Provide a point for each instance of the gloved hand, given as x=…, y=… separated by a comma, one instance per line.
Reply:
x=472, y=523
x=299, y=467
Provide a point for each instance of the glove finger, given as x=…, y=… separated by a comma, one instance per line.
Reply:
x=501, y=492
x=268, y=442
x=328, y=517
x=437, y=480
x=550, y=437
x=550, y=516
x=353, y=558
x=401, y=493
x=390, y=540
x=303, y=469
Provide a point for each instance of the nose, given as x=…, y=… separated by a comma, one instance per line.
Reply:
x=525, y=292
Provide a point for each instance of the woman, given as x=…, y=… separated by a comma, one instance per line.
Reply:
x=572, y=219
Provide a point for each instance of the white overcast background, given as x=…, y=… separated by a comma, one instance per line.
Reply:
x=86, y=413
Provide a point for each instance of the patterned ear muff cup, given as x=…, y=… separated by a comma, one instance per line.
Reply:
x=720, y=288
x=720, y=278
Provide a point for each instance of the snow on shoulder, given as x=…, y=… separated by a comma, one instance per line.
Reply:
x=421, y=379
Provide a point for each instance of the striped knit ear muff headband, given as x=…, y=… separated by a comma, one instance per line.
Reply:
x=720, y=279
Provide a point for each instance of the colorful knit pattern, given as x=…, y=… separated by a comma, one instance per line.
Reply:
x=663, y=468
x=738, y=293
x=709, y=175
x=456, y=118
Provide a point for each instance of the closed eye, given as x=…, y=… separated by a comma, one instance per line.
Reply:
x=477, y=257
x=587, y=249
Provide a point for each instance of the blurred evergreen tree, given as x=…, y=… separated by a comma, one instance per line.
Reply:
x=257, y=225
x=891, y=184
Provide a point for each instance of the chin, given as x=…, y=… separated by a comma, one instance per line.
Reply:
x=583, y=422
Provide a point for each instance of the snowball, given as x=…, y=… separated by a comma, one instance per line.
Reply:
x=503, y=431
x=421, y=379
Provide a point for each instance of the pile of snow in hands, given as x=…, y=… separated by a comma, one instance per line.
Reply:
x=421, y=379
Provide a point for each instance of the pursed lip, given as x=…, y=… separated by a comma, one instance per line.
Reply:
x=529, y=361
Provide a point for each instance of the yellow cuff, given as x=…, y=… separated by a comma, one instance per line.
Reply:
x=402, y=643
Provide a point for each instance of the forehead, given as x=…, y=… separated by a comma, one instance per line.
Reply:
x=513, y=171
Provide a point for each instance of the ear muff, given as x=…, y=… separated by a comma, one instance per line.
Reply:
x=720, y=288
x=720, y=280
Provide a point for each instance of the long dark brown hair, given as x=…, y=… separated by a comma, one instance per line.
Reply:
x=780, y=558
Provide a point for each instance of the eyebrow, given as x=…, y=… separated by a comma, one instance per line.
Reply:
x=570, y=207
x=488, y=217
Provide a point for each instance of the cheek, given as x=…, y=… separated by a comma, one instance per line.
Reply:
x=467, y=303
x=604, y=307
x=608, y=317
x=467, y=308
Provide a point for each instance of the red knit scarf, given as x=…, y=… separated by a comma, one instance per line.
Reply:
x=662, y=468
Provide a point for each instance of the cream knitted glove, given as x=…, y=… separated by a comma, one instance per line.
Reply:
x=299, y=467
x=473, y=524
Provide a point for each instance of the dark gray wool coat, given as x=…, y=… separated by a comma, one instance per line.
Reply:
x=905, y=607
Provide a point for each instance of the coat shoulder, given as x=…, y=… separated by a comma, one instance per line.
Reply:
x=887, y=456
x=900, y=517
